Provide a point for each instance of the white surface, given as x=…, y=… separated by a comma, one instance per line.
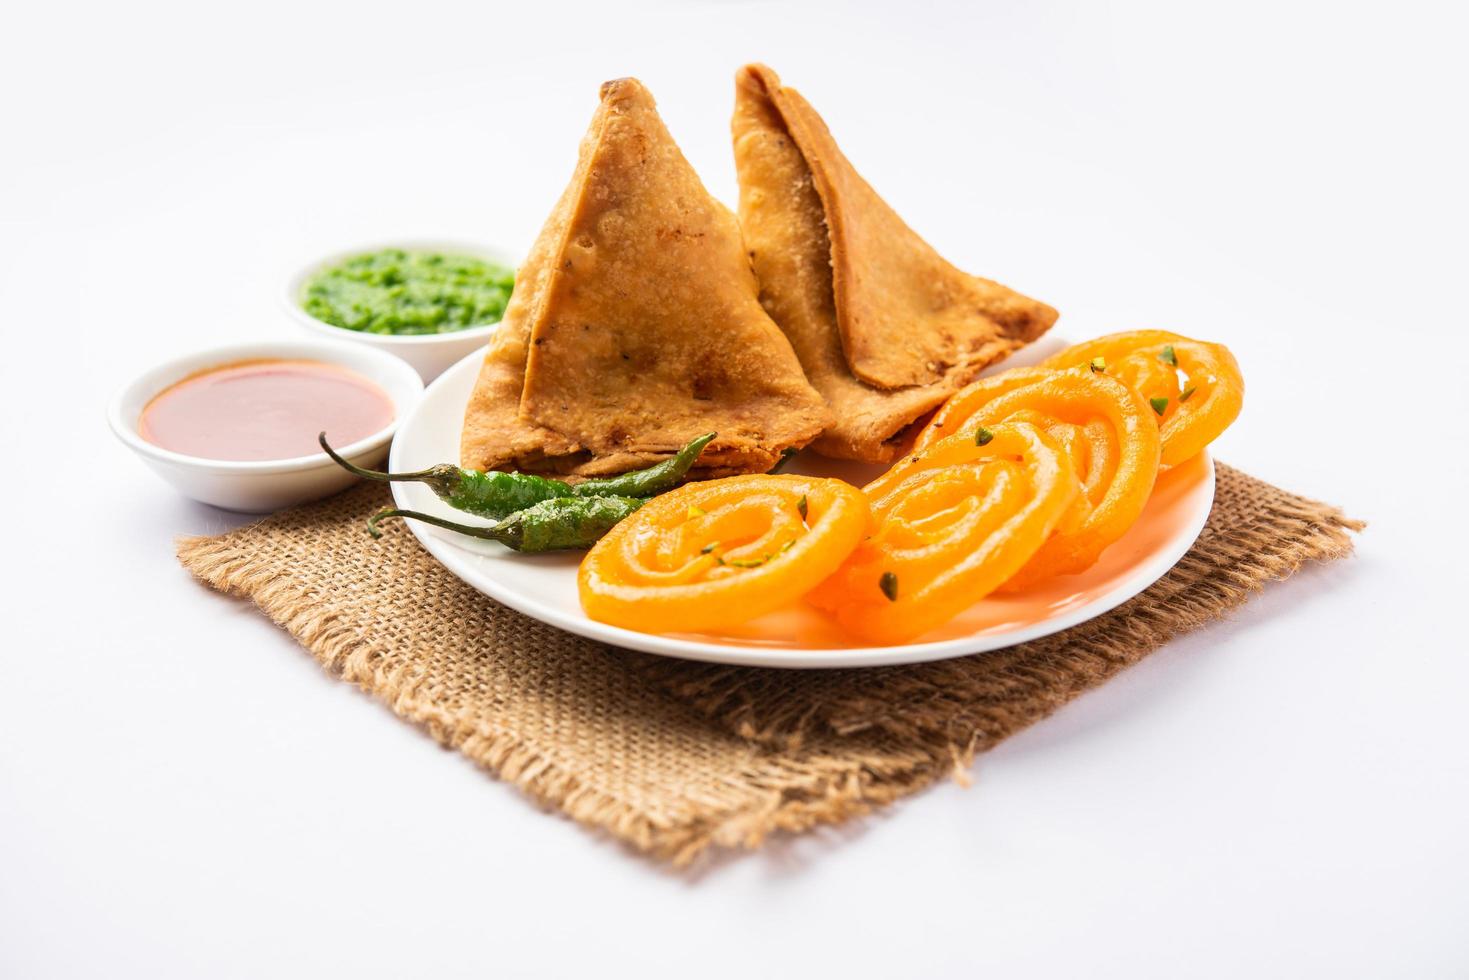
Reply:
x=262, y=486
x=545, y=586
x=429, y=354
x=184, y=793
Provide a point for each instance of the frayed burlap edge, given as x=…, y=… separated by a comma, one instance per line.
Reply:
x=839, y=743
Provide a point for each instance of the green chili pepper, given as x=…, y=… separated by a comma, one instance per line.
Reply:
x=649, y=482
x=498, y=495
x=551, y=525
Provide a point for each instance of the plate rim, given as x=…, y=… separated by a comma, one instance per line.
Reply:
x=459, y=562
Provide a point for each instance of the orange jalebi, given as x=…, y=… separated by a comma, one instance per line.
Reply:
x=1195, y=388
x=718, y=553
x=1105, y=427
x=953, y=522
x=962, y=405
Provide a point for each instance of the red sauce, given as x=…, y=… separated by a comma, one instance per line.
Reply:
x=257, y=410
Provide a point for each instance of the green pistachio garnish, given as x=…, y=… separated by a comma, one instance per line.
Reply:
x=708, y=547
x=1187, y=392
x=757, y=562
x=889, y=585
x=982, y=437
x=801, y=506
x=696, y=512
x=1168, y=357
x=1098, y=365
x=1160, y=404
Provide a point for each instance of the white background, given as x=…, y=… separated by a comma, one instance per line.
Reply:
x=183, y=792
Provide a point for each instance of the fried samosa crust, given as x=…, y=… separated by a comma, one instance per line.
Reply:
x=885, y=328
x=635, y=325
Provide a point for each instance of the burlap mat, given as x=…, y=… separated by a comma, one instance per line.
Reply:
x=673, y=757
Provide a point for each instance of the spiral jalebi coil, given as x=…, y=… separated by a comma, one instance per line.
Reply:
x=953, y=522
x=1107, y=431
x=1194, y=388
x=715, y=554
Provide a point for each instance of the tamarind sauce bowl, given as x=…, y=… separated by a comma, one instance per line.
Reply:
x=257, y=486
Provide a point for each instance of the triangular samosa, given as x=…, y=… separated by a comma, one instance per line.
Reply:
x=885, y=328
x=635, y=325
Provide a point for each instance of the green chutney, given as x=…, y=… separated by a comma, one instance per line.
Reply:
x=404, y=293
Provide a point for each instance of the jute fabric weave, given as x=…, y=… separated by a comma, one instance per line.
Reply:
x=674, y=757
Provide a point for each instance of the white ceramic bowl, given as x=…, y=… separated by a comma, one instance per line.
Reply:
x=430, y=354
x=257, y=487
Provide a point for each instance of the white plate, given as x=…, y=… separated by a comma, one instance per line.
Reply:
x=544, y=586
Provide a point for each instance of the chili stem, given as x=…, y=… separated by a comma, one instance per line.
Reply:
x=371, y=474
x=474, y=531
